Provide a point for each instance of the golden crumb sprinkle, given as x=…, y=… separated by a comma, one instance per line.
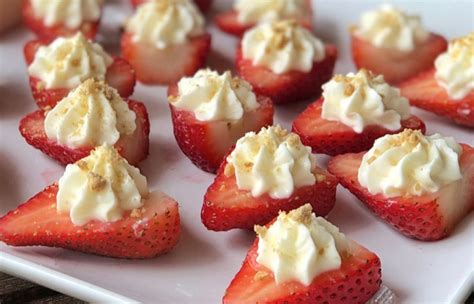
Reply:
x=301, y=215
x=260, y=275
x=96, y=182
x=260, y=230
x=407, y=136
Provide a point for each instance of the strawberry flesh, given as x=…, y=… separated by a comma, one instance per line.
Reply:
x=333, y=137
x=291, y=86
x=37, y=25
x=427, y=217
x=395, y=65
x=153, y=230
x=356, y=281
x=169, y=65
x=227, y=207
x=206, y=143
x=133, y=147
x=424, y=92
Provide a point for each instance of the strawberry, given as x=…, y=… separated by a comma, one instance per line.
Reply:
x=356, y=281
x=395, y=65
x=333, y=137
x=133, y=147
x=174, y=62
x=36, y=25
x=227, y=207
x=426, y=217
x=153, y=230
x=206, y=143
x=291, y=86
x=229, y=22
x=204, y=5
x=120, y=75
x=424, y=92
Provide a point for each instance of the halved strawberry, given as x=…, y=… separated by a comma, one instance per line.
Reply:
x=356, y=281
x=229, y=22
x=429, y=217
x=133, y=147
x=395, y=65
x=89, y=29
x=206, y=143
x=423, y=91
x=333, y=137
x=289, y=87
x=120, y=75
x=153, y=230
x=227, y=207
x=204, y=5
x=165, y=66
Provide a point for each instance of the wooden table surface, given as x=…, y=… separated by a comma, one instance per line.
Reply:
x=14, y=290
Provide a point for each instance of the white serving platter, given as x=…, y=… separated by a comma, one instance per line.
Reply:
x=201, y=266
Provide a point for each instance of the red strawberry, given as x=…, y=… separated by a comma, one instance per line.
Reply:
x=204, y=5
x=227, y=207
x=229, y=23
x=147, y=232
x=395, y=65
x=133, y=147
x=291, y=86
x=120, y=75
x=426, y=217
x=89, y=29
x=206, y=143
x=332, y=137
x=155, y=66
x=356, y=281
x=424, y=92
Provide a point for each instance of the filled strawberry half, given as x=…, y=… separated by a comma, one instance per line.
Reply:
x=39, y=26
x=119, y=75
x=164, y=56
x=150, y=231
x=204, y=5
x=229, y=21
x=257, y=180
x=206, y=143
x=355, y=278
x=227, y=207
x=424, y=92
x=285, y=61
x=133, y=147
x=394, y=43
x=333, y=137
x=169, y=64
x=426, y=217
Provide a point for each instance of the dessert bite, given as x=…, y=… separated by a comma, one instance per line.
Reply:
x=353, y=112
x=285, y=61
x=57, y=67
x=49, y=19
x=421, y=186
x=266, y=172
x=166, y=40
x=390, y=42
x=448, y=88
x=101, y=205
x=210, y=111
x=303, y=258
x=91, y=115
x=203, y=5
x=248, y=13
